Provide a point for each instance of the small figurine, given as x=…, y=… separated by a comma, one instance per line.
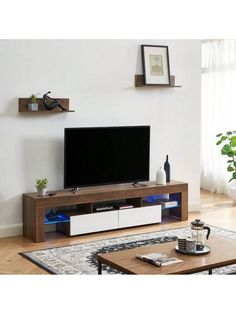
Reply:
x=51, y=103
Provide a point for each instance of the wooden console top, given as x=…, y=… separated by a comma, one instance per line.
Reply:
x=107, y=192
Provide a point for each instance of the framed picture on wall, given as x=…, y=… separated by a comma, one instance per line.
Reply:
x=156, y=68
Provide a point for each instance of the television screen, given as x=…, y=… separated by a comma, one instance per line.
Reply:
x=106, y=155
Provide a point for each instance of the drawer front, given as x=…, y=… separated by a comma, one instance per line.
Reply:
x=139, y=216
x=93, y=222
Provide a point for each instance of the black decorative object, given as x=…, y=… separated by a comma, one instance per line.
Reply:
x=167, y=169
x=52, y=103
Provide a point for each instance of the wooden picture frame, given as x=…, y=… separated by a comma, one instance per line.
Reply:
x=156, y=66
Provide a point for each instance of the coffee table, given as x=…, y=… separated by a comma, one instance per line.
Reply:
x=223, y=253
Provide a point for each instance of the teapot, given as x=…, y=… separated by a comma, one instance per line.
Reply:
x=198, y=233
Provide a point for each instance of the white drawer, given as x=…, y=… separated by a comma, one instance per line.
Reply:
x=93, y=222
x=139, y=216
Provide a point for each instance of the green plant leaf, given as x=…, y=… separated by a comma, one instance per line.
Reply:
x=230, y=168
x=231, y=160
x=219, y=142
x=41, y=183
x=229, y=133
x=226, y=149
x=223, y=138
x=235, y=164
x=218, y=135
x=233, y=141
x=234, y=175
x=230, y=180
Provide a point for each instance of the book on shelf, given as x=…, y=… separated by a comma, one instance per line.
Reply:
x=122, y=206
x=159, y=259
x=102, y=207
x=166, y=203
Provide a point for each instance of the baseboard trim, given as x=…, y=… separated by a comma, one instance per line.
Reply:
x=17, y=230
x=11, y=230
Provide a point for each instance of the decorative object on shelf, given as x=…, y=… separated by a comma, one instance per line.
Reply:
x=33, y=105
x=56, y=217
x=52, y=215
x=229, y=150
x=161, y=176
x=167, y=169
x=155, y=61
x=52, y=103
x=167, y=203
x=41, y=185
x=23, y=106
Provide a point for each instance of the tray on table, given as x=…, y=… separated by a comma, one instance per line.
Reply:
x=205, y=250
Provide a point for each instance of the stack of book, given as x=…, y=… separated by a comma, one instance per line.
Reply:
x=123, y=205
x=159, y=259
x=109, y=206
x=102, y=207
x=166, y=203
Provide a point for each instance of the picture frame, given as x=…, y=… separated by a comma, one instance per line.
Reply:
x=156, y=66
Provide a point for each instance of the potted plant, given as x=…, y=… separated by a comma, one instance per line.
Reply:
x=228, y=149
x=33, y=105
x=41, y=185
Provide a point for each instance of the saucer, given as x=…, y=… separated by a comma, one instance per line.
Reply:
x=205, y=250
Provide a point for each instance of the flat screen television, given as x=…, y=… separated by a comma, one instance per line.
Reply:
x=106, y=155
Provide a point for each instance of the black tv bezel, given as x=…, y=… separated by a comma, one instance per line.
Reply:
x=106, y=183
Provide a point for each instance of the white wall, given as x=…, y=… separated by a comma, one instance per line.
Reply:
x=98, y=77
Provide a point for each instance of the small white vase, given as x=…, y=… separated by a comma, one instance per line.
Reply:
x=161, y=176
x=41, y=192
x=33, y=106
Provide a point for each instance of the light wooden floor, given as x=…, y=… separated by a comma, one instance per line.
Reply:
x=217, y=210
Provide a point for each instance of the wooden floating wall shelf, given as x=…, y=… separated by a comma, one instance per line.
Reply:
x=139, y=82
x=23, y=106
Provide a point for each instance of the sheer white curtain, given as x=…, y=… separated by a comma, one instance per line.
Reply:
x=218, y=110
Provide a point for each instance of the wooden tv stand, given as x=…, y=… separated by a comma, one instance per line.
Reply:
x=35, y=207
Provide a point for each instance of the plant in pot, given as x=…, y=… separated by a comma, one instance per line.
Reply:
x=33, y=105
x=228, y=149
x=41, y=186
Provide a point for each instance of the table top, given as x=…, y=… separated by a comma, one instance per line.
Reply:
x=223, y=253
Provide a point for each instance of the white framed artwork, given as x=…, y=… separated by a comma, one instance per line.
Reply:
x=155, y=61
